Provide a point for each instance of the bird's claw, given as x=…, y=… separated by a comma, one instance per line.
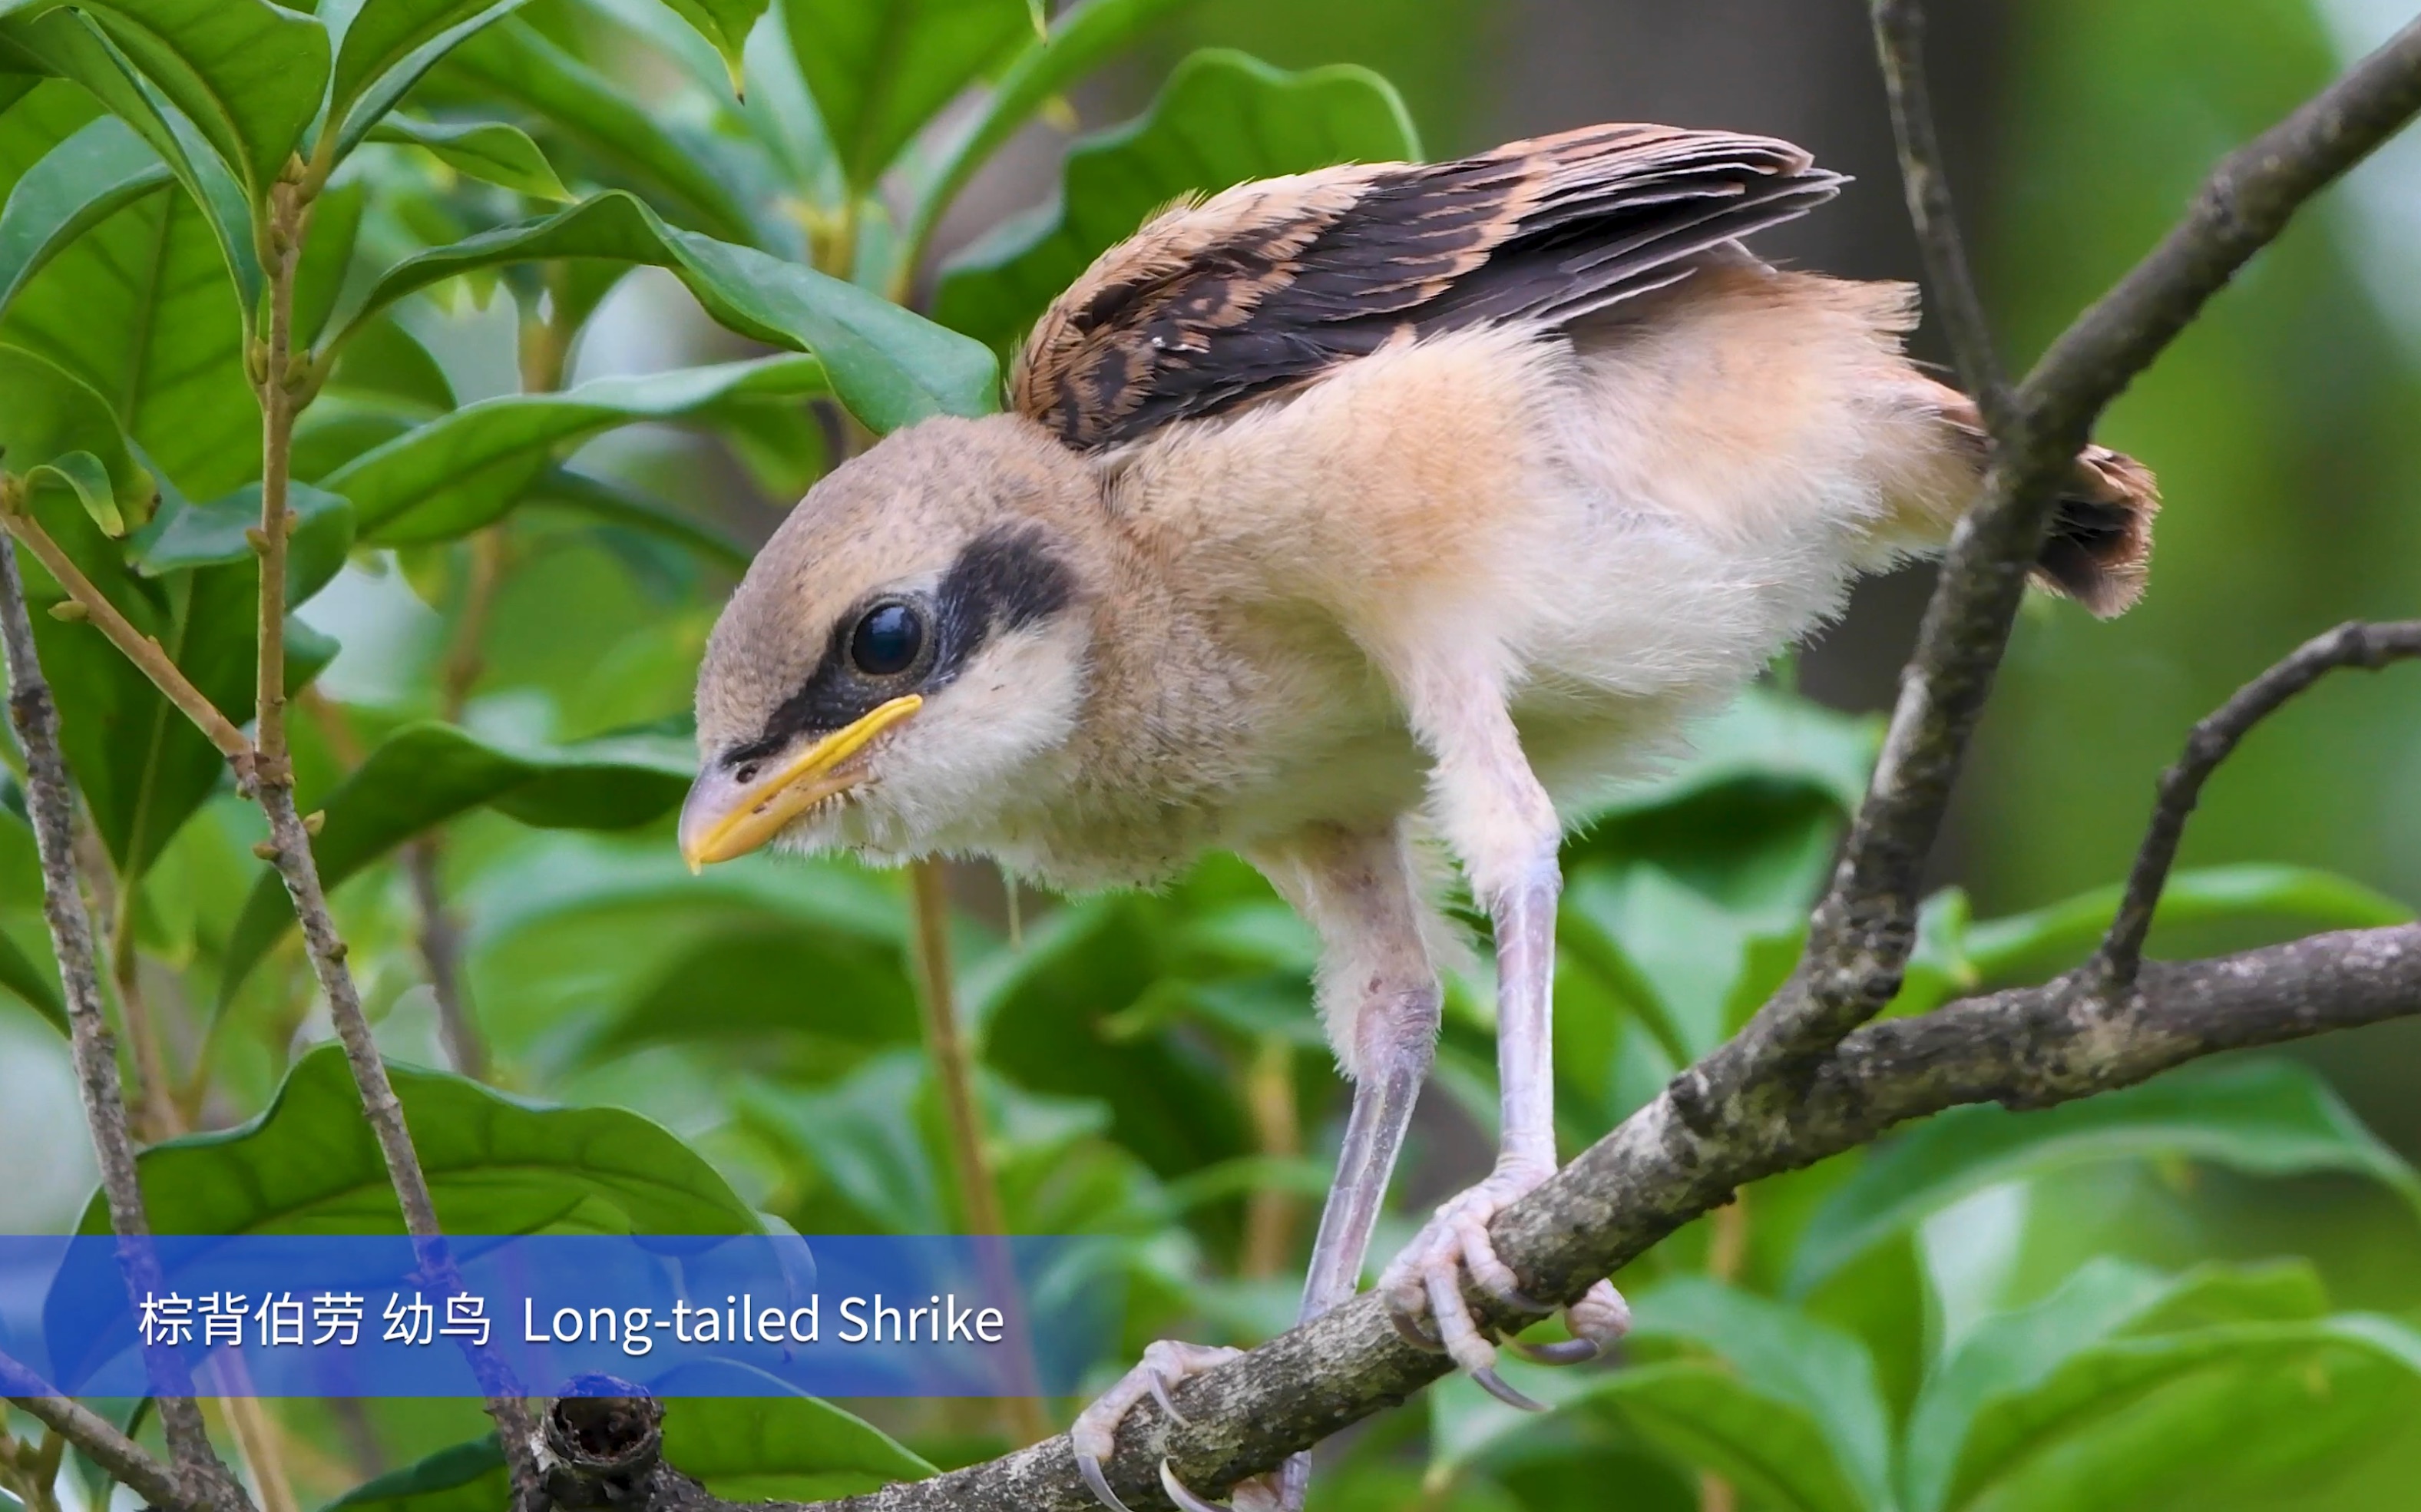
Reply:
x=1164, y=1364
x=1423, y=1289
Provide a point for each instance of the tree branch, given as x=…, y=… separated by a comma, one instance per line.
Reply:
x=2356, y=644
x=147, y=655
x=127, y=1461
x=1864, y=928
x=2027, y=1048
x=51, y=806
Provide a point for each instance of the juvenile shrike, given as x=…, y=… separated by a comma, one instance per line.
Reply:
x=1337, y=512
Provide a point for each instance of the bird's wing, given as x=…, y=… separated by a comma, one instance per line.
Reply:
x=1270, y=283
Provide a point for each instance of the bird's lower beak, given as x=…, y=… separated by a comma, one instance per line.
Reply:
x=721, y=818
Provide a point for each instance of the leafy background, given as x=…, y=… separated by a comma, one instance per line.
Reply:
x=570, y=397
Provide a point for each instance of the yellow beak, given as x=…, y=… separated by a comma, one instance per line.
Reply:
x=721, y=818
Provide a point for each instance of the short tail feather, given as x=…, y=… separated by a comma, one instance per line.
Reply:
x=2098, y=549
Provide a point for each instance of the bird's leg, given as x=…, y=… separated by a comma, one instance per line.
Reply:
x=1380, y=997
x=1503, y=827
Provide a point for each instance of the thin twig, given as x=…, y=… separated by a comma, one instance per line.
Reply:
x=127, y=1462
x=439, y=936
x=2241, y=208
x=51, y=804
x=147, y=654
x=290, y=851
x=978, y=1184
x=283, y=378
x=2369, y=646
x=1861, y=933
x=1899, y=44
x=276, y=382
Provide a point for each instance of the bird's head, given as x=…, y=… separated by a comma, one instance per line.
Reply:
x=907, y=655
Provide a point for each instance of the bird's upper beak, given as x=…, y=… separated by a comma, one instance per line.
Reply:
x=722, y=818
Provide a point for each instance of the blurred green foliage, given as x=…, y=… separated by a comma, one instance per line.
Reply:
x=2094, y=1307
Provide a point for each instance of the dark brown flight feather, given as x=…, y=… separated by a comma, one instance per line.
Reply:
x=1273, y=282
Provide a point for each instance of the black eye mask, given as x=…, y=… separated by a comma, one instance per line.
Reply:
x=1002, y=580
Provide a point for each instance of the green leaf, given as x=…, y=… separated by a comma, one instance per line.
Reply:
x=388, y=45
x=384, y=360
x=466, y=468
x=879, y=71
x=890, y=366
x=1084, y=36
x=1222, y=118
x=615, y=503
x=2114, y=1385
x=489, y=152
x=1781, y=1405
x=1040, y=1013
x=81, y=182
x=327, y=260
x=248, y=75
x=496, y=1165
x=2271, y=1117
x=514, y=63
x=140, y=309
x=425, y=774
x=36, y=985
x=2064, y=931
x=726, y=24
x=783, y=1448
x=141, y=766
x=82, y=474
x=464, y=1477
x=185, y=536
x=1808, y=1366
x=71, y=45
x=53, y=426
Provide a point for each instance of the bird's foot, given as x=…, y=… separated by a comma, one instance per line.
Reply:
x=1423, y=1288
x=1166, y=1364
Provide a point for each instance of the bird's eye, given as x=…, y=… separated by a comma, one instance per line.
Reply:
x=887, y=641
x=747, y=774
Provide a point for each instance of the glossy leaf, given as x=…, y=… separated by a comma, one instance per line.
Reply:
x=2114, y=1385
x=142, y=768
x=726, y=24
x=248, y=73
x=466, y=468
x=575, y=103
x=783, y=1448
x=36, y=985
x=890, y=366
x=82, y=474
x=1779, y=1404
x=496, y=1165
x=47, y=416
x=490, y=151
x=1080, y=39
x=614, y=503
x=139, y=307
x=426, y=774
x=1222, y=118
x=389, y=44
x=2271, y=1117
x=80, y=183
x=2064, y=932
x=213, y=534
x=464, y=1477
x=71, y=45
x=879, y=71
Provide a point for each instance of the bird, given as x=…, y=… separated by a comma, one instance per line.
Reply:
x=1371, y=523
